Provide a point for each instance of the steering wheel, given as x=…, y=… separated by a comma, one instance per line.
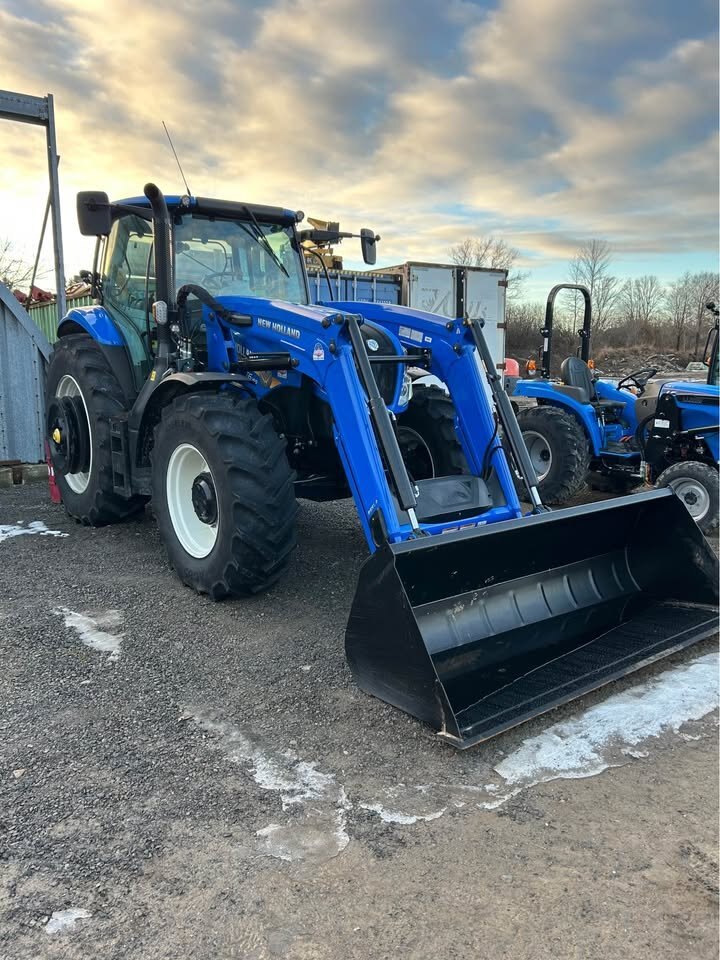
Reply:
x=637, y=379
x=214, y=278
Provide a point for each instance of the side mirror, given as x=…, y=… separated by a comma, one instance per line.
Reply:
x=93, y=213
x=368, y=245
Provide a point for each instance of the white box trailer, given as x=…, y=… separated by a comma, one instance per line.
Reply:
x=458, y=291
x=445, y=288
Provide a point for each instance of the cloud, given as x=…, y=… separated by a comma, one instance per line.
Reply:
x=544, y=121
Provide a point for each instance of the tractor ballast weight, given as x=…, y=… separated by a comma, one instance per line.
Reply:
x=468, y=615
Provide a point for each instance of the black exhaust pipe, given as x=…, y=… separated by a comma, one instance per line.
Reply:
x=165, y=282
x=163, y=259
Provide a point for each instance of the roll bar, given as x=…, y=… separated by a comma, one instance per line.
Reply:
x=546, y=331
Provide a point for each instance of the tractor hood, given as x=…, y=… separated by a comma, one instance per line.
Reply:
x=278, y=310
x=693, y=388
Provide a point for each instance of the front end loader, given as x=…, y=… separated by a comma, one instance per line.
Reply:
x=205, y=380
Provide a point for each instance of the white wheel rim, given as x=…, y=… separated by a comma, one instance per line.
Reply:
x=68, y=387
x=694, y=496
x=196, y=537
x=539, y=452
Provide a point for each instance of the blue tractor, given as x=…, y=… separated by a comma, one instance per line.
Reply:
x=581, y=426
x=679, y=434
x=204, y=380
x=587, y=429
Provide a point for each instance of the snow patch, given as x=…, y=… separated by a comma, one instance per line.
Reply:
x=66, y=919
x=608, y=733
x=90, y=629
x=316, y=804
x=395, y=816
x=37, y=527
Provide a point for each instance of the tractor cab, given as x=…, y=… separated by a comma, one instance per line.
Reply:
x=230, y=249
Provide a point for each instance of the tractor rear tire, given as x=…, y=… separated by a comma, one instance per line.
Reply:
x=696, y=484
x=558, y=449
x=78, y=370
x=427, y=438
x=223, y=494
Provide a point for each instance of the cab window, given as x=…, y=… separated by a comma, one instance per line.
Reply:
x=128, y=285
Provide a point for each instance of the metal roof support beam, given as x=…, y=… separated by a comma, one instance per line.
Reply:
x=40, y=111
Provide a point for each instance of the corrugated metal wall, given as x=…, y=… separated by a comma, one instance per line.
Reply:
x=24, y=350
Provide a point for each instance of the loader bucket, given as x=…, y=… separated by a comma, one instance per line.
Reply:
x=479, y=630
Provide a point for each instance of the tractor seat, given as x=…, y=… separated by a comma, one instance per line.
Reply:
x=576, y=378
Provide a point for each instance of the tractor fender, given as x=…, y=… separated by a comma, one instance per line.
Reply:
x=545, y=393
x=94, y=320
x=98, y=324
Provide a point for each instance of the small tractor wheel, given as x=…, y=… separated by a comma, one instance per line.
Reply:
x=697, y=486
x=223, y=494
x=82, y=394
x=558, y=450
x=427, y=438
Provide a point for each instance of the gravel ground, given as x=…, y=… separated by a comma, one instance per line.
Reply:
x=204, y=780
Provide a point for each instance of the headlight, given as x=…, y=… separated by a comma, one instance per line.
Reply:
x=405, y=391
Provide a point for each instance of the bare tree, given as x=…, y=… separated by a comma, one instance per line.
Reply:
x=14, y=271
x=591, y=267
x=704, y=287
x=494, y=254
x=642, y=300
x=679, y=305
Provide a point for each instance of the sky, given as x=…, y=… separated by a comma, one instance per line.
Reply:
x=544, y=122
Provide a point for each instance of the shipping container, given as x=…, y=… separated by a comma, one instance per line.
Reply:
x=350, y=285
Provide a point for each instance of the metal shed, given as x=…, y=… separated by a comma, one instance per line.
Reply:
x=24, y=350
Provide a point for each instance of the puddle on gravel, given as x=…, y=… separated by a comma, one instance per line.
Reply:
x=90, y=629
x=34, y=528
x=314, y=802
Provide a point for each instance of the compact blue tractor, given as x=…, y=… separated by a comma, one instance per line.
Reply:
x=679, y=433
x=581, y=427
x=587, y=429
x=205, y=381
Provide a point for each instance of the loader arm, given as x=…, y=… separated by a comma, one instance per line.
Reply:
x=319, y=342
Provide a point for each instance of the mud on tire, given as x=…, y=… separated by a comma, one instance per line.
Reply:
x=79, y=357
x=253, y=486
x=569, y=455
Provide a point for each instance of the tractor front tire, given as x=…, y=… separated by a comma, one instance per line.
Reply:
x=78, y=372
x=427, y=438
x=696, y=484
x=223, y=494
x=558, y=449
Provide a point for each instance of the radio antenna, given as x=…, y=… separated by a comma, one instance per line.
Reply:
x=177, y=160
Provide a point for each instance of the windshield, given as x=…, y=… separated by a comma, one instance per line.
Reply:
x=227, y=257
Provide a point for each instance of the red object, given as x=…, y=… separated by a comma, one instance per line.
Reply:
x=512, y=367
x=55, y=494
